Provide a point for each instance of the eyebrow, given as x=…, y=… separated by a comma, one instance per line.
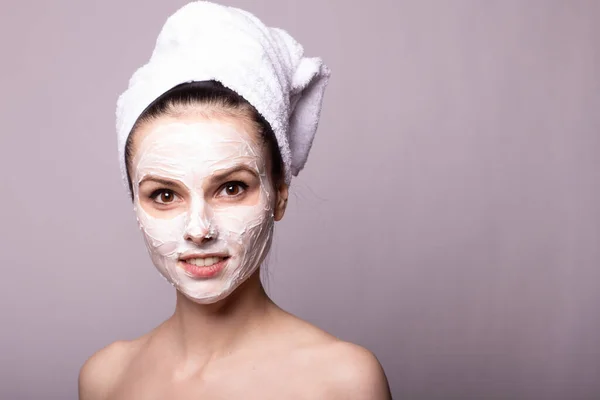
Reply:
x=156, y=179
x=233, y=170
x=216, y=176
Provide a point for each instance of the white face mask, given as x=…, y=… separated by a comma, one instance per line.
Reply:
x=203, y=217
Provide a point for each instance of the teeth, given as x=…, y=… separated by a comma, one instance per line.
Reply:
x=197, y=261
x=214, y=261
x=204, y=262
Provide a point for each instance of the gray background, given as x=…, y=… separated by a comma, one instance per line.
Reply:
x=448, y=218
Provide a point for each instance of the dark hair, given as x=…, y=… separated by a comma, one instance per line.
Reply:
x=219, y=99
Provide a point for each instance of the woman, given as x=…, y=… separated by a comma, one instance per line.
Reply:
x=210, y=132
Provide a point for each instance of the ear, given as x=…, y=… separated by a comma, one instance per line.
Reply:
x=281, y=202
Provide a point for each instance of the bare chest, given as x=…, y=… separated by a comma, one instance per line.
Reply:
x=249, y=381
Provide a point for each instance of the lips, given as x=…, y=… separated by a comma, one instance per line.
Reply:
x=204, y=261
x=203, y=267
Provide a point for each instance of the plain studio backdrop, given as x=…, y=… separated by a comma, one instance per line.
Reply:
x=448, y=218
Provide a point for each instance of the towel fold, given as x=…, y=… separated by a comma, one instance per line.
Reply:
x=206, y=41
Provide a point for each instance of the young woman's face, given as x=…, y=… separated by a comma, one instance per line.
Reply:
x=203, y=201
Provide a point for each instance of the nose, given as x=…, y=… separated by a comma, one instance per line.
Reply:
x=198, y=227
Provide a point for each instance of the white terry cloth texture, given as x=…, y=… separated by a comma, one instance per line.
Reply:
x=266, y=66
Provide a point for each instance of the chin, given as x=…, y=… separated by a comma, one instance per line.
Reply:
x=206, y=298
x=209, y=291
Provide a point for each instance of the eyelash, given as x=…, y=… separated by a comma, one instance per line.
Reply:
x=239, y=184
x=158, y=192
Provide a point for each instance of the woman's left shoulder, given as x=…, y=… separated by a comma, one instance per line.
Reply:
x=342, y=369
x=353, y=372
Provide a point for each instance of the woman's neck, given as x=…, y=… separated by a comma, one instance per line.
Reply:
x=201, y=332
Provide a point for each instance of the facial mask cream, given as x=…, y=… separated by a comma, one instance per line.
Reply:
x=202, y=218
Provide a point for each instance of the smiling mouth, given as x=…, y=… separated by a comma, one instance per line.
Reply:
x=204, y=261
x=203, y=267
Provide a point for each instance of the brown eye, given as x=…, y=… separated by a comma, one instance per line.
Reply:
x=232, y=189
x=163, y=196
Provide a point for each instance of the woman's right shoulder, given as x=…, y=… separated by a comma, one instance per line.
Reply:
x=100, y=373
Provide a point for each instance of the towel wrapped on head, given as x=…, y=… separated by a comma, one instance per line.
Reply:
x=266, y=66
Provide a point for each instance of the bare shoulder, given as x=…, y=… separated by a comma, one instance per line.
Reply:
x=100, y=372
x=344, y=370
x=352, y=371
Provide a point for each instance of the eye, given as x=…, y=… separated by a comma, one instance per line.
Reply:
x=232, y=189
x=163, y=196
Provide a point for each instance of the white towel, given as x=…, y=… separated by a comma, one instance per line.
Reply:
x=207, y=41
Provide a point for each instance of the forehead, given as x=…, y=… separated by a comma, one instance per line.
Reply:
x=196, y=137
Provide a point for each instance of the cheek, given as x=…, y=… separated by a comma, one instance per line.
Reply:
x=162, y=235
x=240, y=224
x=239, y=219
